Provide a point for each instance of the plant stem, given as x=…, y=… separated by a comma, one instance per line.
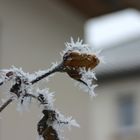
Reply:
x=58, y=68
x=6, y=103
x=1, y=83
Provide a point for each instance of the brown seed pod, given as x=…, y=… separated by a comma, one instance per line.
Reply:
x=45, y=130
x=10, y=73
x=50, y=134
x=73, y=61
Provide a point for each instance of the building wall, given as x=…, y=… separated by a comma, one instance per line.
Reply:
x=32, y=33
x=105, y=116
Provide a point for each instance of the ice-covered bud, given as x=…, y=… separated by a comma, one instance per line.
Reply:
x=52, y=124
x=79, y=62
x=78, y=55
x=74, y=61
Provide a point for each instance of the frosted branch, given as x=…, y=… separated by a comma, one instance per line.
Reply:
x=78, y=61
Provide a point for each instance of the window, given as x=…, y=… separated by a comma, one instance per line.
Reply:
x=126, y=111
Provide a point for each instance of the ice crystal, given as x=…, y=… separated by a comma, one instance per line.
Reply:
x=48, y=98
x=88, y=77
x=63, y=122
x=66, y=121
x=75, y=46
x=80, y=47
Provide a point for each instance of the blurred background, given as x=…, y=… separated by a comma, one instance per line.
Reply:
x=32, y=35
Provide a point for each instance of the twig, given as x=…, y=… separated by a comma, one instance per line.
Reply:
x=58, y=68
x=39, y=97
x=1, y=83
x=6, y=103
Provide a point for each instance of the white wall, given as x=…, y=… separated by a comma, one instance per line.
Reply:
x=32, y=33
x=104, y=115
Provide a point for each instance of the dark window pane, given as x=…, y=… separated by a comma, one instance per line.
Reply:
x=126, y=110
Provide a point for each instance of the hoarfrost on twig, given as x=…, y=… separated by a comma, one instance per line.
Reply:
x=88, y=77
x=48, y=98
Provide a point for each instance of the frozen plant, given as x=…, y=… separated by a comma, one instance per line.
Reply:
x=78, y=61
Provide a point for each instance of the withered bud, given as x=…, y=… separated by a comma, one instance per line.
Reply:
x=50, y=134
x=46, y=130
x=9, y=74
x=50, y=115
x=73, y=61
